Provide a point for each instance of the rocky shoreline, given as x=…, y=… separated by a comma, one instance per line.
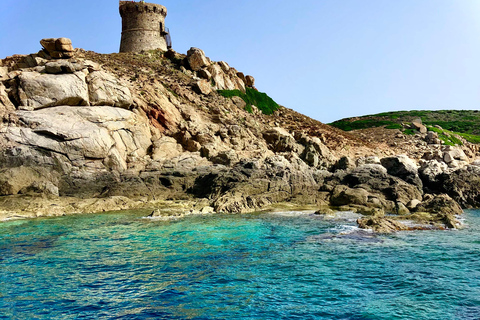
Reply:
x=83, y=132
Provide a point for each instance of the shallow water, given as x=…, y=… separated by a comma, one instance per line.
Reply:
x=259, y=266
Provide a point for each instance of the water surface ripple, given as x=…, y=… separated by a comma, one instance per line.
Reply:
x=259, y=266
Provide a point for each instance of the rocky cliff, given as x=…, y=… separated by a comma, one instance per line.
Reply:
x=86, y=132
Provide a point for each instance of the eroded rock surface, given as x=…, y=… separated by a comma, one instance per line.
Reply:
x=152, y=127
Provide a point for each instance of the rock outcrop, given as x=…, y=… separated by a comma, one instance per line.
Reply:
x=152, y=127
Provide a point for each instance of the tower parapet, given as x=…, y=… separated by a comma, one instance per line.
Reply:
x=143, y=26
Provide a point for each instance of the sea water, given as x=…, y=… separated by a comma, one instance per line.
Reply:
x=258, y=266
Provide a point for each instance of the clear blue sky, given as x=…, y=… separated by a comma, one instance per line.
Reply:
x=328, y=59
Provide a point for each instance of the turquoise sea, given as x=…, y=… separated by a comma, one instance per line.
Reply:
x=258, y=266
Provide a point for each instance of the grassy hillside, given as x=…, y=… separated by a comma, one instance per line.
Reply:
x=464, y=123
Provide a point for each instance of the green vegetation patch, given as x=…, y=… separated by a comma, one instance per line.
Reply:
x=470, y=137
x=455, y=123
x=253, y=97
x=410, y=132
x=346, y=125
x=446, y=136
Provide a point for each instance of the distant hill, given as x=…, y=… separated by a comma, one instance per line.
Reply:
x=465, y=123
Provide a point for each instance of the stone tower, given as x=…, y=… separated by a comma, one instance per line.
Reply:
x=143, y=27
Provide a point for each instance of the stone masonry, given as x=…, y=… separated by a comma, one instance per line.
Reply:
x=143, y=26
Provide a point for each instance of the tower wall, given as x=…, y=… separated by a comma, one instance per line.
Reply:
x=143, y=26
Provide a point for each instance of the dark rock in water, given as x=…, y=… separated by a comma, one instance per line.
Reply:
x=355, y=235
x=462, y=185
x=381, y=224
x=443, y=209
x=441, y=203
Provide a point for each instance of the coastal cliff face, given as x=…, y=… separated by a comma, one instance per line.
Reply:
x=125, y=130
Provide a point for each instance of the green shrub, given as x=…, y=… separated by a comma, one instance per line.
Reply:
x=394, y=126
x=410, y=132
x=253, y=97
x=447, y=137
x=470, y=137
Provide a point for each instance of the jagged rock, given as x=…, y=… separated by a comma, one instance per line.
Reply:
x=433, y=155
x=221, y=80
x=203, y=87
x=202, y=73
x=429, y=170
x=249, y=160
x=441, y=203
x=345, y=163
x=91, y=66
x=381, y=224
x=375, y=179
x=13, y=180
x=241, y=75
x=463, y=185
x=432, y=138
x=38, y=91
x=43, y=187
x=451, y=153
x=280, y=140
x=316, y=154
x=58, y=48
x=225, y=67
x=166, y=148
x=403, y=167
x=401, y=209
x=412, y=204
x=63, y=66
x=63, y=44
x=83, y=132
x=368, y=160
x=343, y=195
x=6, y=106
x=48, y=44
x=417, y=124
x=249, y=81
x=225, y=158
x=106, y=90
x=3, y=72
x=196, y=59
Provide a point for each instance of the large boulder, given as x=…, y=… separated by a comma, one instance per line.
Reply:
x=451, y=154
x=432, y=138
x=196, y=59
x=203, y=87
x=441, y=203
x=84, y=133
x=221, y=80
x=343, y=195
x=429, y=171
x=375, y=179
x=463, y=185
x=443, y=209
x=279, y=140
x=417, y=124
x=63, y=66
x=403, y=167
x=58, y=48
x=250, y=81
x=38, y=91
x=23, y=179
x=107, y=90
